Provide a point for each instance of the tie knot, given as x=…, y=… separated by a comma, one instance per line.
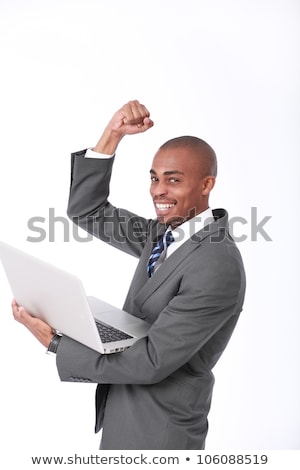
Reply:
x=168, y=237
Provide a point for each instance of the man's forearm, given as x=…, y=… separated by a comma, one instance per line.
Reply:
x=108, y=142
x=132, y=118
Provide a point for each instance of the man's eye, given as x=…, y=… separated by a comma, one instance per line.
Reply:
x=154, y=179
x=173, y=180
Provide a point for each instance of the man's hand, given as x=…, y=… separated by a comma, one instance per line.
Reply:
x=132, y=118
x=41, y=330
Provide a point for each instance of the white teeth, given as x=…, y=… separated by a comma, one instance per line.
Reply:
x=164, y=207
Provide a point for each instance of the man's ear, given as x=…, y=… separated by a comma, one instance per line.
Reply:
x=208, y=184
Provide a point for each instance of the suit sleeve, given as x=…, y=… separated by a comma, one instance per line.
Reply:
x=192, y=321
x=90, y=209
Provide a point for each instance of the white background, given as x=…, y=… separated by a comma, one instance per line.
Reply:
x=224, y=70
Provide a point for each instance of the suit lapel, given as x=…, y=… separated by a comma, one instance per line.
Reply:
x=215, y=231
x=142, y=287
x=165, y=270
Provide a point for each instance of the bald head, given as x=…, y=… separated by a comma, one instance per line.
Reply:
x=197, y=148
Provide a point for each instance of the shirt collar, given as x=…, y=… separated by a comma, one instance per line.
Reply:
x=188, y=228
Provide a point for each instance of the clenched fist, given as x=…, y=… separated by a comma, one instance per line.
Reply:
x=132, y=118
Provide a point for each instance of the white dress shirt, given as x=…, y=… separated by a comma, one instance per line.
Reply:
x=187, y=229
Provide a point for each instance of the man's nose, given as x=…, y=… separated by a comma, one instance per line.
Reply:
x=159, y=189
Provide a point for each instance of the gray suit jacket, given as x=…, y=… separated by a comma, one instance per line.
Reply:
x=157, y=394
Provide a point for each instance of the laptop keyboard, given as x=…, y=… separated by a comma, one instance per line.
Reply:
x=109, y=333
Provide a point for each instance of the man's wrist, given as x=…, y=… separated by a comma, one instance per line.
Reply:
x=108, y=142
x=54, y=343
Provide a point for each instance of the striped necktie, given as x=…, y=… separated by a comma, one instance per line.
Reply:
x=160, y=247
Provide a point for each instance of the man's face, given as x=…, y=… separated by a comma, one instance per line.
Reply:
x=177, y=187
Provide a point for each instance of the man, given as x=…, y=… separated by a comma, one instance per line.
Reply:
x=156, y=394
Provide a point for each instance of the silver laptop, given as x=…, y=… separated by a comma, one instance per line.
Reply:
x=58, y=298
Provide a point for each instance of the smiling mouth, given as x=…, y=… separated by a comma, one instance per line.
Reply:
x=160, y=206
